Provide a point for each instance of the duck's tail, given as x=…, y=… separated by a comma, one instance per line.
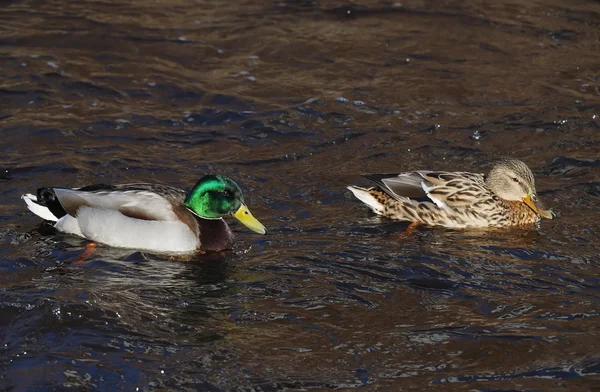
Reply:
x=374, y=198
x=382, y=203
x=40, y=210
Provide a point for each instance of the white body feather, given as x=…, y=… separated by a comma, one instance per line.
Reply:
x=108, y=226
x=68, y=224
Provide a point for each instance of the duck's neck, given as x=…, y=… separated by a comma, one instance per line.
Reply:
x=215, y=234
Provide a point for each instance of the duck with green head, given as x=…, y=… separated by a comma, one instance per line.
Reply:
x=148, y=216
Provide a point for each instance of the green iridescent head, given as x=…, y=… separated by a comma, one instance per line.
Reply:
x=216, y=196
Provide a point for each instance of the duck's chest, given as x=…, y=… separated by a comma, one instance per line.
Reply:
x=518, y=213
x=215, y=234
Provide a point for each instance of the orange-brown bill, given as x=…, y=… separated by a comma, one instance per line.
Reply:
x=536, y=205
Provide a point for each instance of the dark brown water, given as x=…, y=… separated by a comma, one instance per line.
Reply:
x=295, y=99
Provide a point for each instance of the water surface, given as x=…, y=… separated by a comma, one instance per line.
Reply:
x=295, y=100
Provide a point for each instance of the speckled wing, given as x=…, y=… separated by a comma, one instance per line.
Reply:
x=454, y=189
x=140, y=201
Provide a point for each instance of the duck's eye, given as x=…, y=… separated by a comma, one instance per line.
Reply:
x=226, y=193
x=515, y=179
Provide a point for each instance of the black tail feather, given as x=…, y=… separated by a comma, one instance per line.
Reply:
x=47, y=198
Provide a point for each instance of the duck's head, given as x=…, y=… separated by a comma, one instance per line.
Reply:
x=216, y=196
x=512, y=180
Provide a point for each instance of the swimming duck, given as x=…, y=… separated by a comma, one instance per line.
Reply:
x=148, y=216
x=505, y=197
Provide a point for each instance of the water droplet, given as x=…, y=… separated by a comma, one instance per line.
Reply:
x=476, y=135
x=252, y=78
x=151, y=84
x=52, y=64
x=182, y=39
x=220, y=51
x=595, y=116
x=341, y=99
x=358, y=103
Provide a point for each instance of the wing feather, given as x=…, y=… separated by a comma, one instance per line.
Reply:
x=445, y=189
x=135, y=203
x=454, y=189
x=399, y=186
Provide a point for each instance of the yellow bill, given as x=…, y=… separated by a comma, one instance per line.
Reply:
x=536, y=205
x=244, y=215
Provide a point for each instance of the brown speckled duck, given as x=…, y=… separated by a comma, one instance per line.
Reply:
x=505, y=197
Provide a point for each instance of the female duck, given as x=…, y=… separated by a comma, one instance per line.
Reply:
x=148, y=216
x=505, y=197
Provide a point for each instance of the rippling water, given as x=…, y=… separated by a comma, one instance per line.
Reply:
x=295, y=99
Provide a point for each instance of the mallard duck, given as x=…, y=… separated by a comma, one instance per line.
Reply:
x=505, y=197
x=148, y=216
